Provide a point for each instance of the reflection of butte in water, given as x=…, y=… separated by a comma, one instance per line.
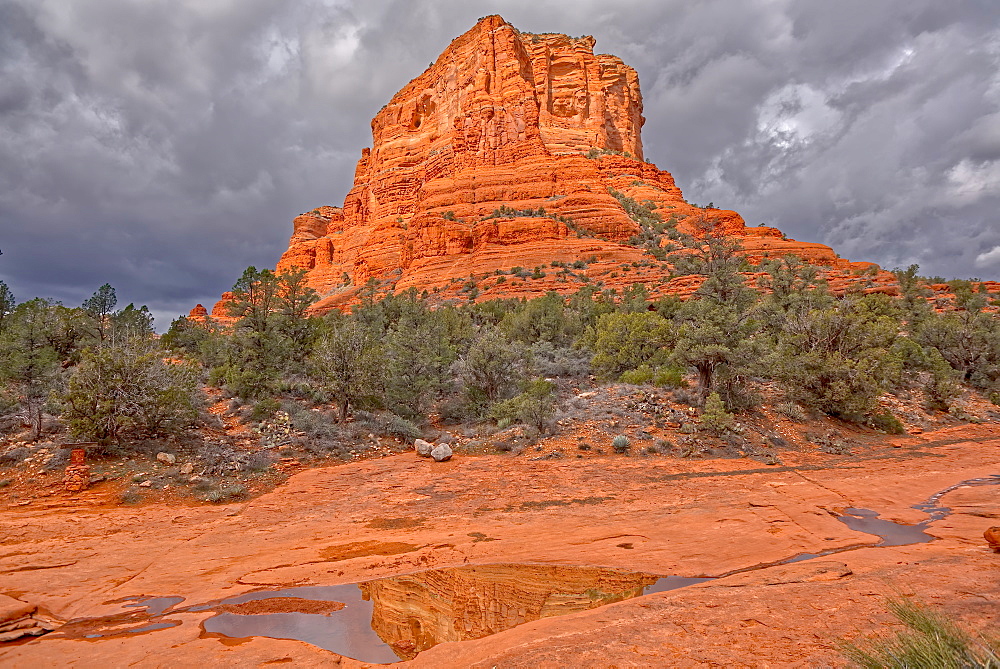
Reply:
x=417, y=611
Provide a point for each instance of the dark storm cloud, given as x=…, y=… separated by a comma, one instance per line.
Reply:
x=163, y=146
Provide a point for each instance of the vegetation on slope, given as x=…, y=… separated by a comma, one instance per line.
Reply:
x=395, y=366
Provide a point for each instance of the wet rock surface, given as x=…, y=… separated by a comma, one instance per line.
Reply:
x=392, y=519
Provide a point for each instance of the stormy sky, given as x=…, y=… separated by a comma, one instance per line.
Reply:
x=165, y=145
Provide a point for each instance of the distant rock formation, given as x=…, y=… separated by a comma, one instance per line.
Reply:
x=511, y=150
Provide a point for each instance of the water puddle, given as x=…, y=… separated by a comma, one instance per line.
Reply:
x=347, y=631
x=935, y=512
x=396, y=618
x=154, y=605
x=113, y=626
x=673, y=583
x=136, y=630
x=891, y=533
x=897, y=534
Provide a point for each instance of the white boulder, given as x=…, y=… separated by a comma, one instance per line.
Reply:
x=441, y=453
x=423, y=448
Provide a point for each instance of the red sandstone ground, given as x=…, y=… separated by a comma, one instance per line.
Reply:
x=74, y=556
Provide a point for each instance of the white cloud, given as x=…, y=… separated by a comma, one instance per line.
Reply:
x=989, y=259
x=796, y=113
x=970, y=181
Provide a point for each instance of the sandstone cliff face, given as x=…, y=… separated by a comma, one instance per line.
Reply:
x=507, y=151
x=502, y=121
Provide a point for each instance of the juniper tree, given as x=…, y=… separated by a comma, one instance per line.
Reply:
x=838, y=360
x=913, y=294
x=29, y=361
x=125, y=389
x=724, y=343
x=131, y=322
x=7, y=304
x=491, y=369
x=348, y=364
x=623, y=342
x=419, y=355
x=100, y=306
x=717, y=257
x=542, y=319
x=272, y=333
x=792, y=286
x=295, y=297
x=968, y=340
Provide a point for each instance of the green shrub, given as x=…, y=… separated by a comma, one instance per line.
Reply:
x=929, y=640
x=130, y=496
x=664, y=377
x=217, y=376
x=388, y=424
x=793, y=411
x=264, y=409
x=226, y=493
x=532, y=407
x=316, y=424
x=669, y=377
x=638, y=376
x=621, y=444
x=623, y=342
x=886, y=422
x=839, y=360
x=125, y=388
x=715, y=418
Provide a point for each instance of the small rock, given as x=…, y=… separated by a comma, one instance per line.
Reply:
x=145, y=484
x=441, y=453
x=166, y=458
x=992, y=536
x=423, y=448
x=187, y=468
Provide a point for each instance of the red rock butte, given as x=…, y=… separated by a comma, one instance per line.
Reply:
x=502, y=123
